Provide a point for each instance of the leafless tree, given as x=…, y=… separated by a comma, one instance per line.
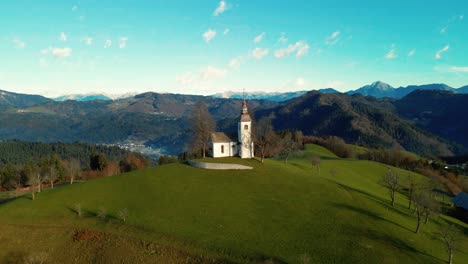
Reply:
x=123, y=214
x=102, y=213
x=264, y=136
x=35, y=181
x=299, y=137
x=288, y=145
x=391, y=181
x=52, y=176
x=425, y=206
x=74, y=168
x=412, y=185
x=203, y=125
x=449, y=235
x=315, y=161
x=78, y=209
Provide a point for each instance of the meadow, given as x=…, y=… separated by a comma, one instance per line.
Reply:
x=278, y=213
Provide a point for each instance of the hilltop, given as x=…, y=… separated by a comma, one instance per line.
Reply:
x=284, y=212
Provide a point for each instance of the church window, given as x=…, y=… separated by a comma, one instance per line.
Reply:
x=246, y=127
x=222, y=149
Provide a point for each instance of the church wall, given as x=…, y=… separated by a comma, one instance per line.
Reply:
x=230, y=149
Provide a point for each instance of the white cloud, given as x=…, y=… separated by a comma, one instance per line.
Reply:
x=333, y=38
x=438, y=54
x=108, y=44
x=210, y=73
x=411, y=53
x=209, y=35
x=74, y=8
x=391, y=54
x=61, y=52
x=259, y=53
x=88, y=41
x=282, y=39
x=123, y=42
x=220, y=9
x=226, y=31
x=19, y=44
x=235, y=63
x=443, y=30
x=43, y=63
x=63, y=37
x=204, y=75
x=300, y=48
x=259, y=38
x=458, y=69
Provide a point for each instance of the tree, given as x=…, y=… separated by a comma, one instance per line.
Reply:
x=315, y=161
x=425, y=205
x=264, y=136
x=35, y=181
x=203, y=125
x=97, y=161
x=288, y=145
x=74, y=169
x=391, y=181
x=449, y=235
x=53, y=176
x=123, y=214
x=411, y=189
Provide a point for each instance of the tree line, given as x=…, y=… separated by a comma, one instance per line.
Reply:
x=55, y=163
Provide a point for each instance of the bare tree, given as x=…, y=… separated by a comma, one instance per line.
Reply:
x=412, y=185
x=449, y=235
x=264, y=136
x=391, y=181
x=288, y=145
x=123, y=214
x=52, y=176
x=74, y=168
x=78, y=209
x=299, y=137
x=203, y=125
x=425, y=205
x=315, y=161
x=35, y=181
x=102, y=213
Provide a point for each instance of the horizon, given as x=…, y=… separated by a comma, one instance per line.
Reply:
x=88, y=47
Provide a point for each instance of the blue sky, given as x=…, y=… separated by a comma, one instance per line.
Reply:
x=204, y=47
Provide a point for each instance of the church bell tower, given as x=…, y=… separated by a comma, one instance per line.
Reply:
x=246, y=148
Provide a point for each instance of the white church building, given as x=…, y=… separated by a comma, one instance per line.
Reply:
x=223, y=146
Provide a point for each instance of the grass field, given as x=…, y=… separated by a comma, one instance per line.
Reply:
x=284, y=212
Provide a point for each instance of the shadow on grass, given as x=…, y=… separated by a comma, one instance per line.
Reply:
x=402, y=210
x=368, y=214
x=389, y=240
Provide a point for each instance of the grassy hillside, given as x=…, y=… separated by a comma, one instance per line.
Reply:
x=179, y=214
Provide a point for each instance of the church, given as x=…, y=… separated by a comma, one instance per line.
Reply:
x=223, y=146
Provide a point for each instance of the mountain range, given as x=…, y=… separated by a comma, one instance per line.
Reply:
x=380, y=89
x=377, y=89
x=425, y=121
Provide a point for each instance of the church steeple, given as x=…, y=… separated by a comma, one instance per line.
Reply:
x=246, y=144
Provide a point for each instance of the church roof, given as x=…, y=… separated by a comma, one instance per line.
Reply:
x=461, y=200
x=245, y=117
x=220, y=137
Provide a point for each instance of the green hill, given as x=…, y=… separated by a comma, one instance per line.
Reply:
x=180, y=214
